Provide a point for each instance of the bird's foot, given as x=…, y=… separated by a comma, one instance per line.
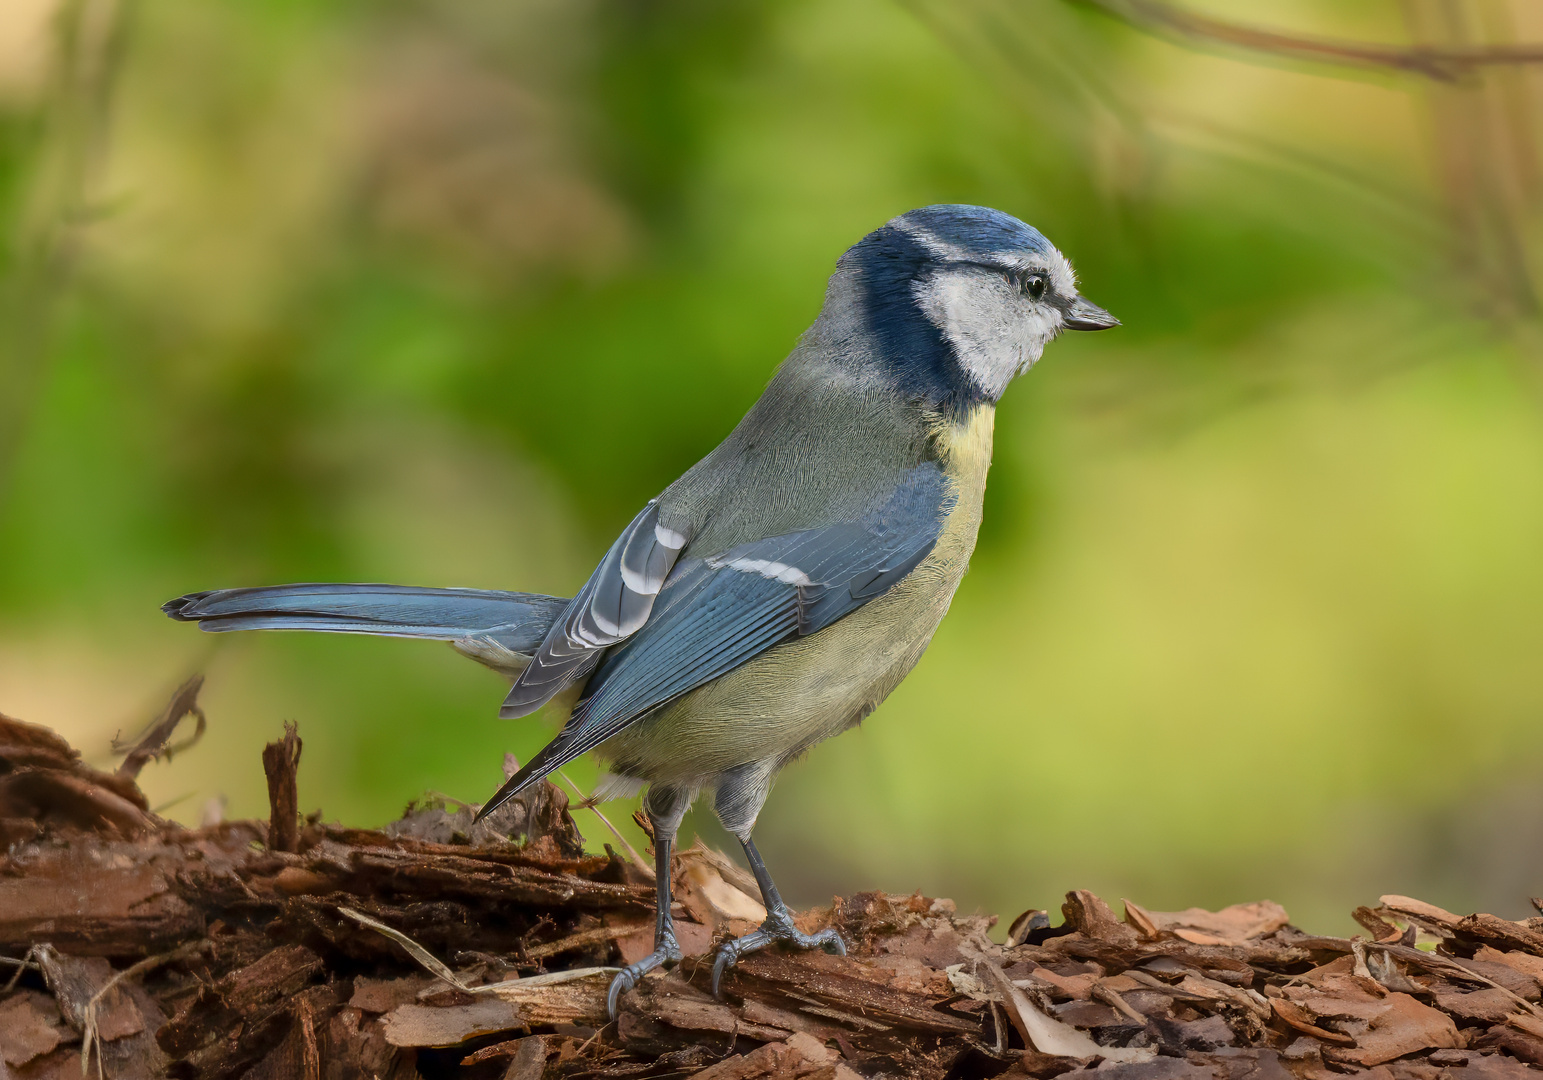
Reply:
x=778, y=928
x=666, y=955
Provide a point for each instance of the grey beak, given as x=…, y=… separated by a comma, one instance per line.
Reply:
x=1085, y=315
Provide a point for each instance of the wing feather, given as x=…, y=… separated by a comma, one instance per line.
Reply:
x=712, y=615
x=613, y=605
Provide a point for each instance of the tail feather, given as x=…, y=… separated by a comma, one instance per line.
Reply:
x=548, y=760
x=516, y=621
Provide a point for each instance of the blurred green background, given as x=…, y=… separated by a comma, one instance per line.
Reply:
x=441, y=291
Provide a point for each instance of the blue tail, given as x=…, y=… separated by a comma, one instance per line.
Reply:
x=516, y=622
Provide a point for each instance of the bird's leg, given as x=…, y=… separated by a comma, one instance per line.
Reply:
x=778, y=926
x=665, y=810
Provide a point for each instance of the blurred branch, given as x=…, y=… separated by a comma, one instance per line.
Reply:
x=1152, y=123
x=1483, y=157
x=1482, y=152
x=47, y=231
x=1441, y=62
x=156, y=740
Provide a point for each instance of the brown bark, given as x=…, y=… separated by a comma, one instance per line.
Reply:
x=438, y=949
x=281, y=765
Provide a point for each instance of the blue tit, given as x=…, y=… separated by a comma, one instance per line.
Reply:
x=778, y=591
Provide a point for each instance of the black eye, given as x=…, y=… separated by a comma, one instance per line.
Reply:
x=1034, y=286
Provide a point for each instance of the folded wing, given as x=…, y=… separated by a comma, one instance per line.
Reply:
x=715, y=614
x=613, y=605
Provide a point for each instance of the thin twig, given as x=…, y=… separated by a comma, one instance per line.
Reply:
x=1444, y=63
x=436, y=967
x=90, y=1036
x=156, y=742
x=24, y=964
x=586, y=803
x=598, y=936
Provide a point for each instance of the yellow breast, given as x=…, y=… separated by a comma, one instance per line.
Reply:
x=808, y=689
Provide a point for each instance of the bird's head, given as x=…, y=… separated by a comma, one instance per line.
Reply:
x=963, y=299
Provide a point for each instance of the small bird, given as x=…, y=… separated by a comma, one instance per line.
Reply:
x=778, y=591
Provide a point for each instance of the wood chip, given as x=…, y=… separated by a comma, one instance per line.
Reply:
x=281, y=764
x=29, y=1027
x=1236, y=994
x=1230, y=926
x=1295, y=1016
x=415, y=1025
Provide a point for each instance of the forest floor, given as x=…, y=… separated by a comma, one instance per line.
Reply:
x=131, y=948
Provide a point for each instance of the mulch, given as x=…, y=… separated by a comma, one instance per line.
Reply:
x=132, y=947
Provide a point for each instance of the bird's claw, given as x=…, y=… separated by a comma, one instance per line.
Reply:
x=632, y=974
x=778, y=928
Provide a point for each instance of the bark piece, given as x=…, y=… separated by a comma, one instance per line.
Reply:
x=30, y=1026
x=1158, y=1068
x=1490, y=1067
x=360, y=1042
x=23, y=744
x=528, y=1061
x=1229, y=926
x=1421, y=913
x=1523, y=962
x=472, y=877
x=112, y=898
x=838, y=984
x=693, y=938
x=1050, y=1036
x=773, y=1059
x=560, y=997
x=524, y=1058
x=425, y=1025
x=1374, y=923
x=1092, y=918
x=725, y=901
x=670, y=1004
x=68, y=800
x=1404, y=1027
x=249, y=1004
x=77, y=982
x=281, y=765
x=1519, y=1045
x=383, y=995
x=1294, y=1016
x=1496, y=931
x=1488, y=1006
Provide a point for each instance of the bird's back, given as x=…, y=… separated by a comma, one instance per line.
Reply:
x=822, y=443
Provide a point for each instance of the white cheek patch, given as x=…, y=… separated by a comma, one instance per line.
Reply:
x=767, y=568
x=996, y=333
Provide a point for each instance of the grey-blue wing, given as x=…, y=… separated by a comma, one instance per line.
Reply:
x=517, y=621
x=715, y=614
x=613, y=605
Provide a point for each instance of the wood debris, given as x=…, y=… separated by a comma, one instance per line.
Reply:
x=435, y=948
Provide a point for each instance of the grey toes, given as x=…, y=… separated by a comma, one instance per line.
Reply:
x=727, y=956
x=829, y=940
x=729, y=952
x=632, y=974
x=623, y=982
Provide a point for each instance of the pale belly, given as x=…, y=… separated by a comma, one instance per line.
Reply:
x=781, y=703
